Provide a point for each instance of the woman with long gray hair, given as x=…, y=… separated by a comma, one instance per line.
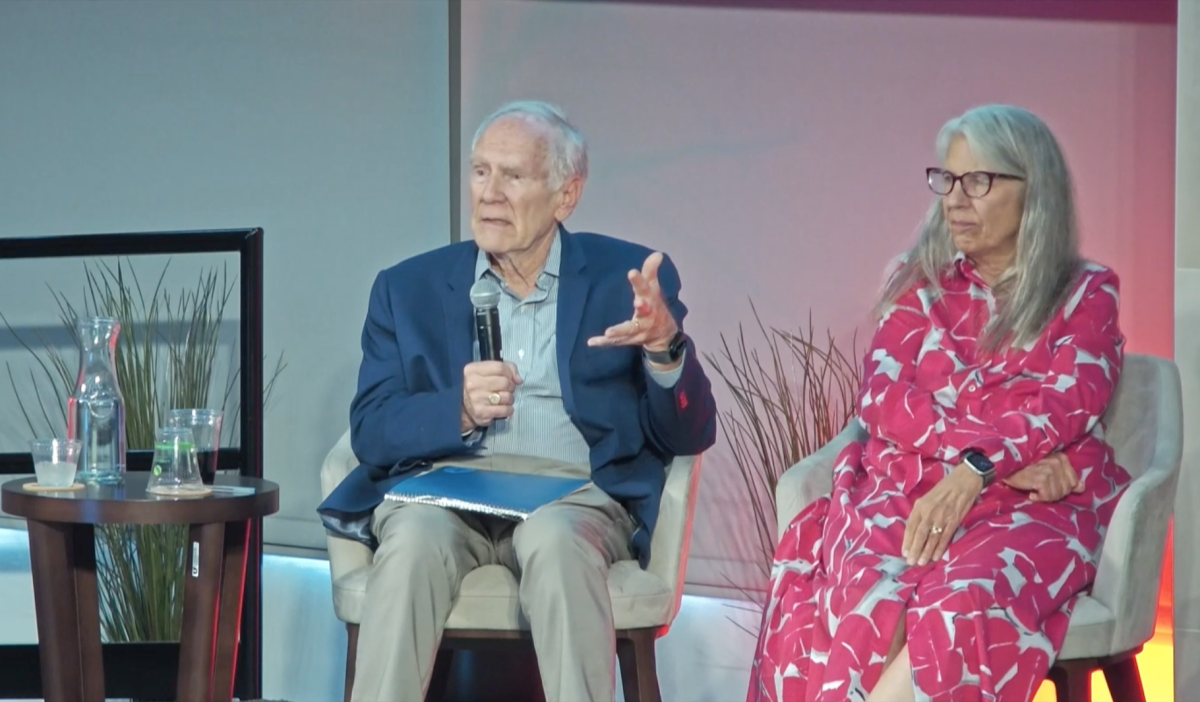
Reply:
x=959, y=534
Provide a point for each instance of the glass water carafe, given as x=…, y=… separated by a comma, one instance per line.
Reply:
x=96, y=412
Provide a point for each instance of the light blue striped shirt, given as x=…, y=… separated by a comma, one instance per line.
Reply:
x=539, y=425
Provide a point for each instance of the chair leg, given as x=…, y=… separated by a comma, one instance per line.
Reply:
x=1124, y=681
x=639, y=671
x=440, y=680
x=1073, y=680
x=351, y=657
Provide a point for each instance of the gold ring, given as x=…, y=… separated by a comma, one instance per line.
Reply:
x=494, y=398
x=636, y=324
x=936, y=530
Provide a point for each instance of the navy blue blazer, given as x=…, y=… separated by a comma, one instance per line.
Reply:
x=419, y=334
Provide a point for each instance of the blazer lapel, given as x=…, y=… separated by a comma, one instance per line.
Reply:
x=572, y=296
x=456, y=303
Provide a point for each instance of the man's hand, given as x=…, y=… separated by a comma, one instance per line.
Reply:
x=488, y=388
x=937, y=515
x=652, y=324
x=1048, y=480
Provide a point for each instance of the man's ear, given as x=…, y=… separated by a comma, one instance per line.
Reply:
x=569, y=195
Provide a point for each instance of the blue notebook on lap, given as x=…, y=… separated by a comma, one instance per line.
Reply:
x=509, y=495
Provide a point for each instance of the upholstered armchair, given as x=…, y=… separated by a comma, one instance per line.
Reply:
x=1111, y=623
x=644, y=601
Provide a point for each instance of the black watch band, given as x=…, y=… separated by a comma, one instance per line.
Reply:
x=673, y=353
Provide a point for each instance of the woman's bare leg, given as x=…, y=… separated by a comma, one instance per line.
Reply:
x=897, y=642
x=895, y=685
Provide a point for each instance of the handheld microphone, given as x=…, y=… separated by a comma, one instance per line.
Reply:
x=485, y=296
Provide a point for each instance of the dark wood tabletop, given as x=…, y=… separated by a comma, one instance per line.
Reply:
x=62, y=549
x=234, y=498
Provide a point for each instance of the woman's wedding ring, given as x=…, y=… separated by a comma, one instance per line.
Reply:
x=936, y=530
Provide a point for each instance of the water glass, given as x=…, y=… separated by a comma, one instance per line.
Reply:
x=206, y=429
x=174, y=472
x=55, y=461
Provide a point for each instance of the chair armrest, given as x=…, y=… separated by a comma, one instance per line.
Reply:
x=812, y=477
x=1131, y=559
x=345, y=555
x=673, y=532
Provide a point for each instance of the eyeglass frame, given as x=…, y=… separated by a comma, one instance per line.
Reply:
x=958, y=179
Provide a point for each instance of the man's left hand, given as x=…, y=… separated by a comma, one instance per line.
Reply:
x=652, y=325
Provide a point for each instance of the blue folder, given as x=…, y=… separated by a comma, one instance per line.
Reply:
x=509, y=495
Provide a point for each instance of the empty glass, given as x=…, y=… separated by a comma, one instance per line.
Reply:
x=174, y=473
x=206, y=430
x=55, y=461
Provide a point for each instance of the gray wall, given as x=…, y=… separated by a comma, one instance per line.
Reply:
x=774, y=159
x=324, y=123
x=1187, y=351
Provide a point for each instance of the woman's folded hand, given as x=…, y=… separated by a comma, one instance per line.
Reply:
x=938, y=513
x=1048, y=480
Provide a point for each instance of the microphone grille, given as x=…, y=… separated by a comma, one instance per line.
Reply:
x=485, y=294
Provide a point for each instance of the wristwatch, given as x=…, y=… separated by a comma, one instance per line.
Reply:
x=673, y=353
x=983, y=467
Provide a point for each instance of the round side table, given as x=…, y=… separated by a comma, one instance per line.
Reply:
x=62, y=550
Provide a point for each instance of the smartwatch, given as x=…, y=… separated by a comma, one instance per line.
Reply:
x=982, y=466
x=673, y=353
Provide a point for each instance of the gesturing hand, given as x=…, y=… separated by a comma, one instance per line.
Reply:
x=1048, y=480
x=937, y=514
x=652, y=324
x=488, y=388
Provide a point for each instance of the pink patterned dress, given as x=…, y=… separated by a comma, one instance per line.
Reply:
x=987, y=620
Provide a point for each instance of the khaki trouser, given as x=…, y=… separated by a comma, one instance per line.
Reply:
x=560, y=555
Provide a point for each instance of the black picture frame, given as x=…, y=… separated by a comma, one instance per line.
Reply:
x=149, y=670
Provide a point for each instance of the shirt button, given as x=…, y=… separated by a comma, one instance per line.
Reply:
x=521, y=353
x=972, y=387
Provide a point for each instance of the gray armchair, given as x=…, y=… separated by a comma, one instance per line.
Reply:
x=1109, y=625
x=644, y=601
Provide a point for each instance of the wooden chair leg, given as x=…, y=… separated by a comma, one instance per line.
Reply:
x=1124, y=681
x=440, y=681
x=1073, y=680
x=639, y=670
x=351, y=656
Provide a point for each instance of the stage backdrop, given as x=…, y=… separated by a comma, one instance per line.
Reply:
x=324, y=123
x=778, y=154
x=775, y=153
x=1187, y=353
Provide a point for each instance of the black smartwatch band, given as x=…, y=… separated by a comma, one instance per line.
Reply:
x=673, y=353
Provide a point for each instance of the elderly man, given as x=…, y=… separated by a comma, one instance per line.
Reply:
x=598, y=381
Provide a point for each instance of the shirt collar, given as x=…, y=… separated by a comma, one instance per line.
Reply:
x=483, y=266
x=968, y=270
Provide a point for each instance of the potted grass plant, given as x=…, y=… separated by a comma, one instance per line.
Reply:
x=167, y=357
x=792, y=393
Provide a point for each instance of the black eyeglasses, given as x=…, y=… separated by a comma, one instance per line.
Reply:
x=974, y=184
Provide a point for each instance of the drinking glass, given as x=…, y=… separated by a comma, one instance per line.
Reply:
x=55, y=461
x=206, y=430
x=175, y=473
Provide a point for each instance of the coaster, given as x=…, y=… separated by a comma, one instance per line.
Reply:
x=34, y=487
x=190, y=495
